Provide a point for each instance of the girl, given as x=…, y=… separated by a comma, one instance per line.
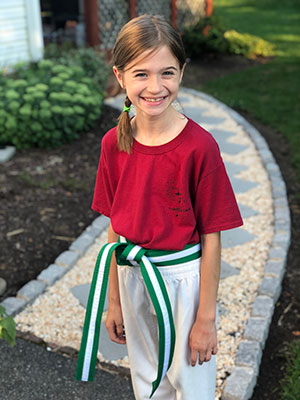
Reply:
x=162, y=182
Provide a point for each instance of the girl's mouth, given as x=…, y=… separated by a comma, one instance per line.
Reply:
x=154, y=100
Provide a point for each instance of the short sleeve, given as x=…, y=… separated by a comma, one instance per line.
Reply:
x=216, y=208
x=104, y=188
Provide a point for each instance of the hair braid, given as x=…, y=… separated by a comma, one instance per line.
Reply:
x=124, y=130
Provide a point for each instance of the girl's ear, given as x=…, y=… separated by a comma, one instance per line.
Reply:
x=182, y=71
x=119, y=76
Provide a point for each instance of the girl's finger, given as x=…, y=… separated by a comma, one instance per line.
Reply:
x=194, y=355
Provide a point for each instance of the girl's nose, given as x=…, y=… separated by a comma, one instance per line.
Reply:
x=155, y=85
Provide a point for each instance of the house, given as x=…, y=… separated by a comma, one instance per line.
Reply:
x=21, y=37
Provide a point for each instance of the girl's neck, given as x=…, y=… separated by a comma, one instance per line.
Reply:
x=156, y=131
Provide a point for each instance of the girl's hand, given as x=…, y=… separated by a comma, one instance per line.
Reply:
x=114, y=324
x=203, y=341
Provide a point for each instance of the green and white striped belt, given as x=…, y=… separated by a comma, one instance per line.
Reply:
x=128, y=253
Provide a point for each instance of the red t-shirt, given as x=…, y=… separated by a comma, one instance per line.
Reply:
x=164, y=197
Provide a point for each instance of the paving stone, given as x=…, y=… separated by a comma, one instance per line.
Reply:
x=208, y=120
x=234, y=169
x=67, y=259
x=7, y=153
x=277, y=253
x=81, y=244
x=101, y=222
x=282, y=213
x=110, y=350
x=51, y=274
x=267, y=157
x=246, y=211
x=275, y=269
x=195, y=113
x=227, y=270
x=221, y=135
x=234, y=237
x=240, y=384
x=81, y=292
x=232, y=148
x=257, y=329
x=91, y=231
x=249, y=355
x=31, y=290
x=263, y=307
x=241, y=185
x=282, y=239
x=279, y=191
x=3, y=286
x=270, y=287
x=13, y=305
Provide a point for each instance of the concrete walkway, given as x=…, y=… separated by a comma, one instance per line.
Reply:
x=253, y=264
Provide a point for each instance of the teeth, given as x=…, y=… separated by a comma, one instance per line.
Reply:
x=154, y=100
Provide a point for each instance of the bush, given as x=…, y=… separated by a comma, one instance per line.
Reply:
x=209, y=36
x=47, y=104
x=247, y=45
x=205, y=37
x=92, y=62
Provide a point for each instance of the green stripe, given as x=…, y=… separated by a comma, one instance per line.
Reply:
x=168, y=305
x=88, y=317
x=182, y=260
x=100, y=311
x=161, y=327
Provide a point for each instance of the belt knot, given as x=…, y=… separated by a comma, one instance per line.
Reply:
x=130, y=254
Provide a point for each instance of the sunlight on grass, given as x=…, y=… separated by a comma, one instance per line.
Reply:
x=269, y=92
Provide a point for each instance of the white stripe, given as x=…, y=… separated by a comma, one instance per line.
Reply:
x=91, y=331
x=165, y=314
x=131, y=256
x=177, y=255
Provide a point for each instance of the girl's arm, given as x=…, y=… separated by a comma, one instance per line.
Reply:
x=114, y=319
x=203, y=336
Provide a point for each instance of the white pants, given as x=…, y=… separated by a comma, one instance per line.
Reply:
x=182, y=381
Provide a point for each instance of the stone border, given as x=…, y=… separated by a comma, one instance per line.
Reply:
x=240, y=384
x=62, y=264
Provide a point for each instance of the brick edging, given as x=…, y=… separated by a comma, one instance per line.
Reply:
x=240, y=384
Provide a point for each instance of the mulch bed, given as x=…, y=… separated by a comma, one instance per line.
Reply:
x=45, y=197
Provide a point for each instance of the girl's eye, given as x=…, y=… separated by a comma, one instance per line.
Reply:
x=168, y=73
x=140, y=75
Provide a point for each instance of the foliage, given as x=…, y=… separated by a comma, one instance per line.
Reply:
x=209, y=36
x=269, y=91
x=206, y=36
x=247, y=45
x=290, y=385
x=92, y=62
x=7, y=327
x=46, y=104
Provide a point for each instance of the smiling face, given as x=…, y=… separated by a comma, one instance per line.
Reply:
x=152, y=81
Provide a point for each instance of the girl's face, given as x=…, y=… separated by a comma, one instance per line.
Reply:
x=151, y=81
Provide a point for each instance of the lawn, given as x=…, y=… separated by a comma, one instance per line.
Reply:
x=269, y=92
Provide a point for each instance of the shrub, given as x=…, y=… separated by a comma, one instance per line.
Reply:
x=205, y=37
x=7, y=327
x=247, y=45
x=209, y=36
x=47, y=104
x=92, y=62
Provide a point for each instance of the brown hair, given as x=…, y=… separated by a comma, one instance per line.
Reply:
x=140, y=34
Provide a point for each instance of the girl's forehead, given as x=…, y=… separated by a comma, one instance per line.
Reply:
x=154, y=58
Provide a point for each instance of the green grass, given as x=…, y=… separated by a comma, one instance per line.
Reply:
x=290, y=385
x=269, y=92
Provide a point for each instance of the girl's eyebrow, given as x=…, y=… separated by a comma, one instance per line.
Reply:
x=145, y=70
